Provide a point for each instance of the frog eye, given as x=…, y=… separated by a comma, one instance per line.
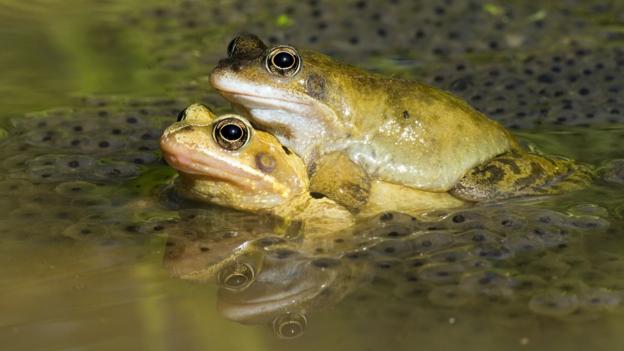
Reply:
x=236, y=277
x=232, y=46
x=231, y=133
x=283, y=60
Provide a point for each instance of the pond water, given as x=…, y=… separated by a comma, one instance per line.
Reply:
x=99, y=253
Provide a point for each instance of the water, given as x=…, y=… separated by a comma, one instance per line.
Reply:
x=97, y=252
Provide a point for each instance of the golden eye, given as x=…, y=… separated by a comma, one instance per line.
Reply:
x=236, y=277
x=283, y=60
x=231, y=133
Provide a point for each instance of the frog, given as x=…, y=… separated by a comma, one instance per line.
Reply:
x=225, y=161
x=394, y=130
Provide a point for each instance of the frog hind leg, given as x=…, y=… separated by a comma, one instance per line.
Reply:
x=519, y=173
x=338, y=178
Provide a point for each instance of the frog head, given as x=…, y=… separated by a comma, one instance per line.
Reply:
x=302, y=97
x=223, y=160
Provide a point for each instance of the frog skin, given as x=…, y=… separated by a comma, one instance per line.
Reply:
x=253, y=172
x=397, y=131
x=250, y=172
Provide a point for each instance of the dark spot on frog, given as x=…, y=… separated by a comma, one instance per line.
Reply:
x=536, y=173
x=317, y=195
x=406, y=114
x=265, y=162
x=512, y=165
x=286, y=150
x=492, y=174
x=386, y=217
x=315, y=86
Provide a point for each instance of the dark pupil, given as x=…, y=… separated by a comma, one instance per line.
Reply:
x=231, y=132
x=284, y=60
x=236, y=280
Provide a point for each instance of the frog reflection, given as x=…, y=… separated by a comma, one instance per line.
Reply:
x=269, y=280
x=525, y=259
x=280, y=286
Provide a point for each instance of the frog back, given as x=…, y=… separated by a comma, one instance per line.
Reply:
x=415, y=135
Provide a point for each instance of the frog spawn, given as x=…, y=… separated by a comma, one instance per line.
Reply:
x=362, y=28
x=104, y=141
x=59, y=168
x=576, y=88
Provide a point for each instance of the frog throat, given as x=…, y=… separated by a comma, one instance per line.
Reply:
x=300, y=122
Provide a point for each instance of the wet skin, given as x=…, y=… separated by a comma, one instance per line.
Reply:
x=250, y=170
x=397, y=131
x=225, y=161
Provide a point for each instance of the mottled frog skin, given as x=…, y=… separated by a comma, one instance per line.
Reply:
x=397, y=131
x=522, y=174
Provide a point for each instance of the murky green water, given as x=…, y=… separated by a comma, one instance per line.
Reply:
x=98, y=254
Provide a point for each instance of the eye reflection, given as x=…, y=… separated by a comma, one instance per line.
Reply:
x=290, y=325
x=236, y=277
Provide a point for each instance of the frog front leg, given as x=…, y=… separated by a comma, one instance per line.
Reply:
x=519, y=173
x=338, y=178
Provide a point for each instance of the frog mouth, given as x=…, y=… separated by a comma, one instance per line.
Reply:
x=257, y=96
x=255, y=101
x=196, y=164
